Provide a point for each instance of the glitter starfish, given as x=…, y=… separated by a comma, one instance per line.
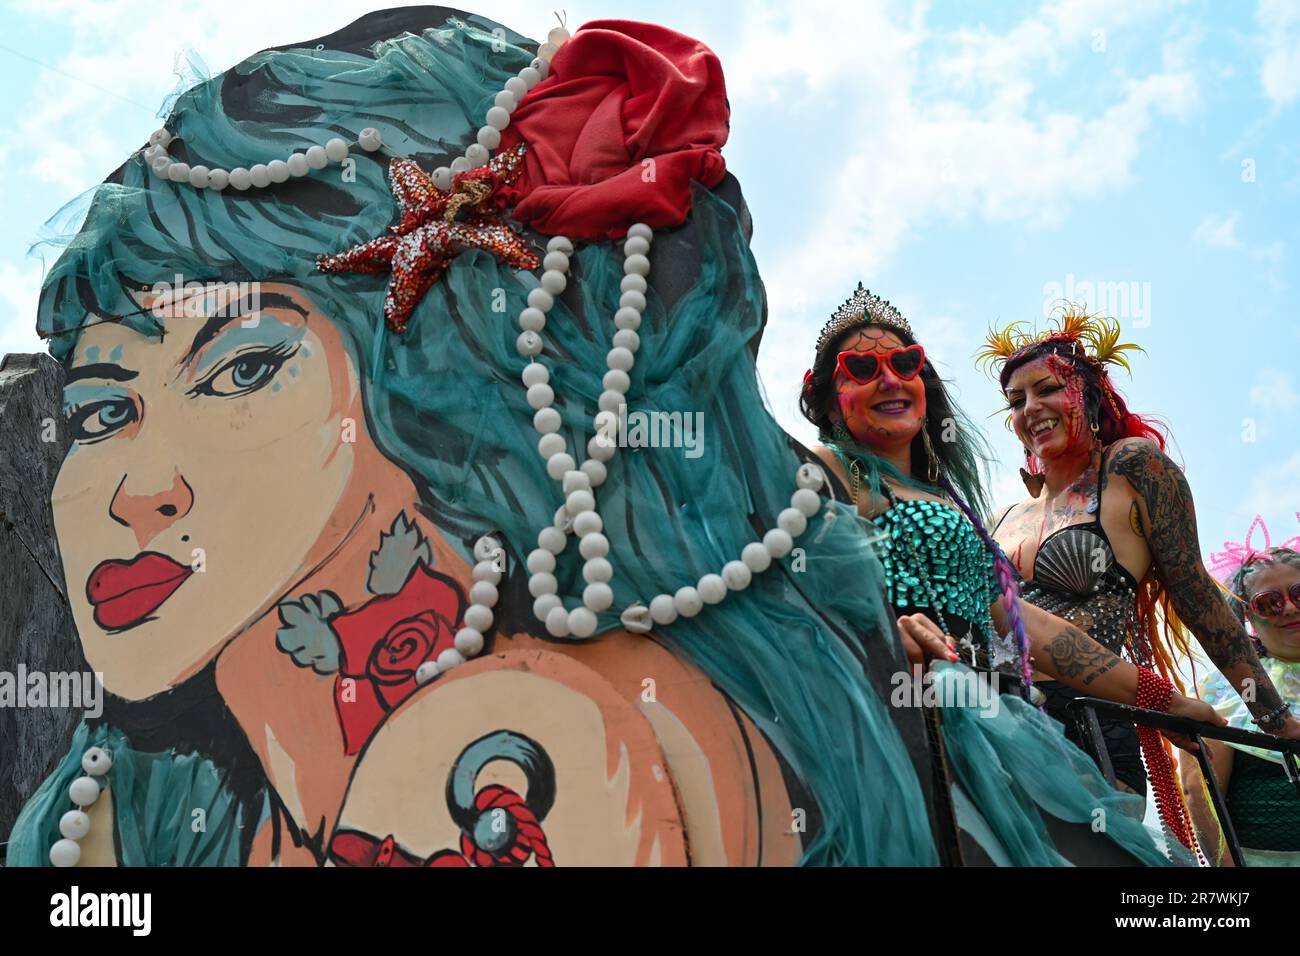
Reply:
x=433, y=227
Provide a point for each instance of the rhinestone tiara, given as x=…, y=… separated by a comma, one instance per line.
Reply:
x=863, y=308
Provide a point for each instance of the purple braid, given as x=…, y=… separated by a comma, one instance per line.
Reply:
x=1007, y=578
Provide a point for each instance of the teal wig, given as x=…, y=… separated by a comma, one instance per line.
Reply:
x=796, y=651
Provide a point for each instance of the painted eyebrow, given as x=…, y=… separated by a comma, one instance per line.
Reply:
x=106, y=370
x=214, y=326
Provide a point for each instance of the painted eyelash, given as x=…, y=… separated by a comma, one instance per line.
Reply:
x=71, y=418
x=281, y=352
x=69, y=411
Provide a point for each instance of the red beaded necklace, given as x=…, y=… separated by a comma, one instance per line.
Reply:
x=1154, y=693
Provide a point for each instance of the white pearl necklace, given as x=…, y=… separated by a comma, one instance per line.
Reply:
x=261, y=175
x=578, y=515
x=75, y=824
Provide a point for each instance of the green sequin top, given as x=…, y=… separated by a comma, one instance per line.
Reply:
x=927, y=539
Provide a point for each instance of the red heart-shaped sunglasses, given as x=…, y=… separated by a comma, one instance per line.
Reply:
x=862, y=367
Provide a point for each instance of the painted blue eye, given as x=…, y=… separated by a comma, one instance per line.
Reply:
x=100, y=419
x=247, y=372
x=243, y=374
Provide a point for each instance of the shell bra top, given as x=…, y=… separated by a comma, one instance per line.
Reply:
x=1076, y=577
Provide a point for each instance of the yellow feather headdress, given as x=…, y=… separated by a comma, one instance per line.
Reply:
x=1094, y=338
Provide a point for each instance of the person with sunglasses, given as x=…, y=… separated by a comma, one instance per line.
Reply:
x=1107, y=537
x=1264, y=589
x=910, y=461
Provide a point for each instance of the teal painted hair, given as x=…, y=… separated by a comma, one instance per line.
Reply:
x=444, y=401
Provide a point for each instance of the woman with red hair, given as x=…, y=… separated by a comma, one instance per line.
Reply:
x=1107, y=537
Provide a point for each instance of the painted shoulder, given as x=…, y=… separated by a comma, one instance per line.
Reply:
x=634, y=762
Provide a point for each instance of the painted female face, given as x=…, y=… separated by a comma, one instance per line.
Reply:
x=208, y=472
x=1047, y=408
x=1280, y=634
x=887, y=412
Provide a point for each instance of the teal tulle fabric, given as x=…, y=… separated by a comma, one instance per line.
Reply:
x=1014, y=764
x=155, y=797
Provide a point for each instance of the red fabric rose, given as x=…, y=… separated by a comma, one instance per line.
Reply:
x=618, y=94
x=383, y=643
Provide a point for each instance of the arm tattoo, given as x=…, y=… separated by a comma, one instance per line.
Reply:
x=1135, y=520
x=1176, y=552
x=1075, y=654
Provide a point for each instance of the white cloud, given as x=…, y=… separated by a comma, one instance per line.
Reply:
x=1273, y=391
x=1279, y=22
x=1044, y=42
x=20, y=288
x=1270, y=253
x=1218, y=232
x=1276, y=491
x=935, y=128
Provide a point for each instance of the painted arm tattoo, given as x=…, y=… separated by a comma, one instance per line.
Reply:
x=1078, y=659
x=1170, y=527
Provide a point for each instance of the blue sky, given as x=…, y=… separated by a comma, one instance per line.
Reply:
x=960, y=159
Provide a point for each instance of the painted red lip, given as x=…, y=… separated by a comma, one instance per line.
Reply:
x=125, y=593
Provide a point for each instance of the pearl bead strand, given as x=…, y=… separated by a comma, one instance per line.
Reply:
x=259, y=175
x=578, y=515
x=478, y=618
x=755, y=558
x=75, y=824
x=504, y=103
x=297, y=165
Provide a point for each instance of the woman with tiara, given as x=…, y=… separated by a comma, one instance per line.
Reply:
x=911, y=462
x=1262, y=587
x=1107, y=538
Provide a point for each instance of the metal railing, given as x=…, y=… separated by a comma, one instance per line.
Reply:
x=1086, y=709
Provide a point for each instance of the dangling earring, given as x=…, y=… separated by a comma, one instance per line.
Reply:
x=1033, y=482
x=842, y=437
x=933, y=471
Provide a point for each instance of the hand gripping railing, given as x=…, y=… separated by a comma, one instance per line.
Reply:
x=1086, y=709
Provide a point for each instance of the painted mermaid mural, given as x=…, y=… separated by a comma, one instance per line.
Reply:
x=311, y=542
